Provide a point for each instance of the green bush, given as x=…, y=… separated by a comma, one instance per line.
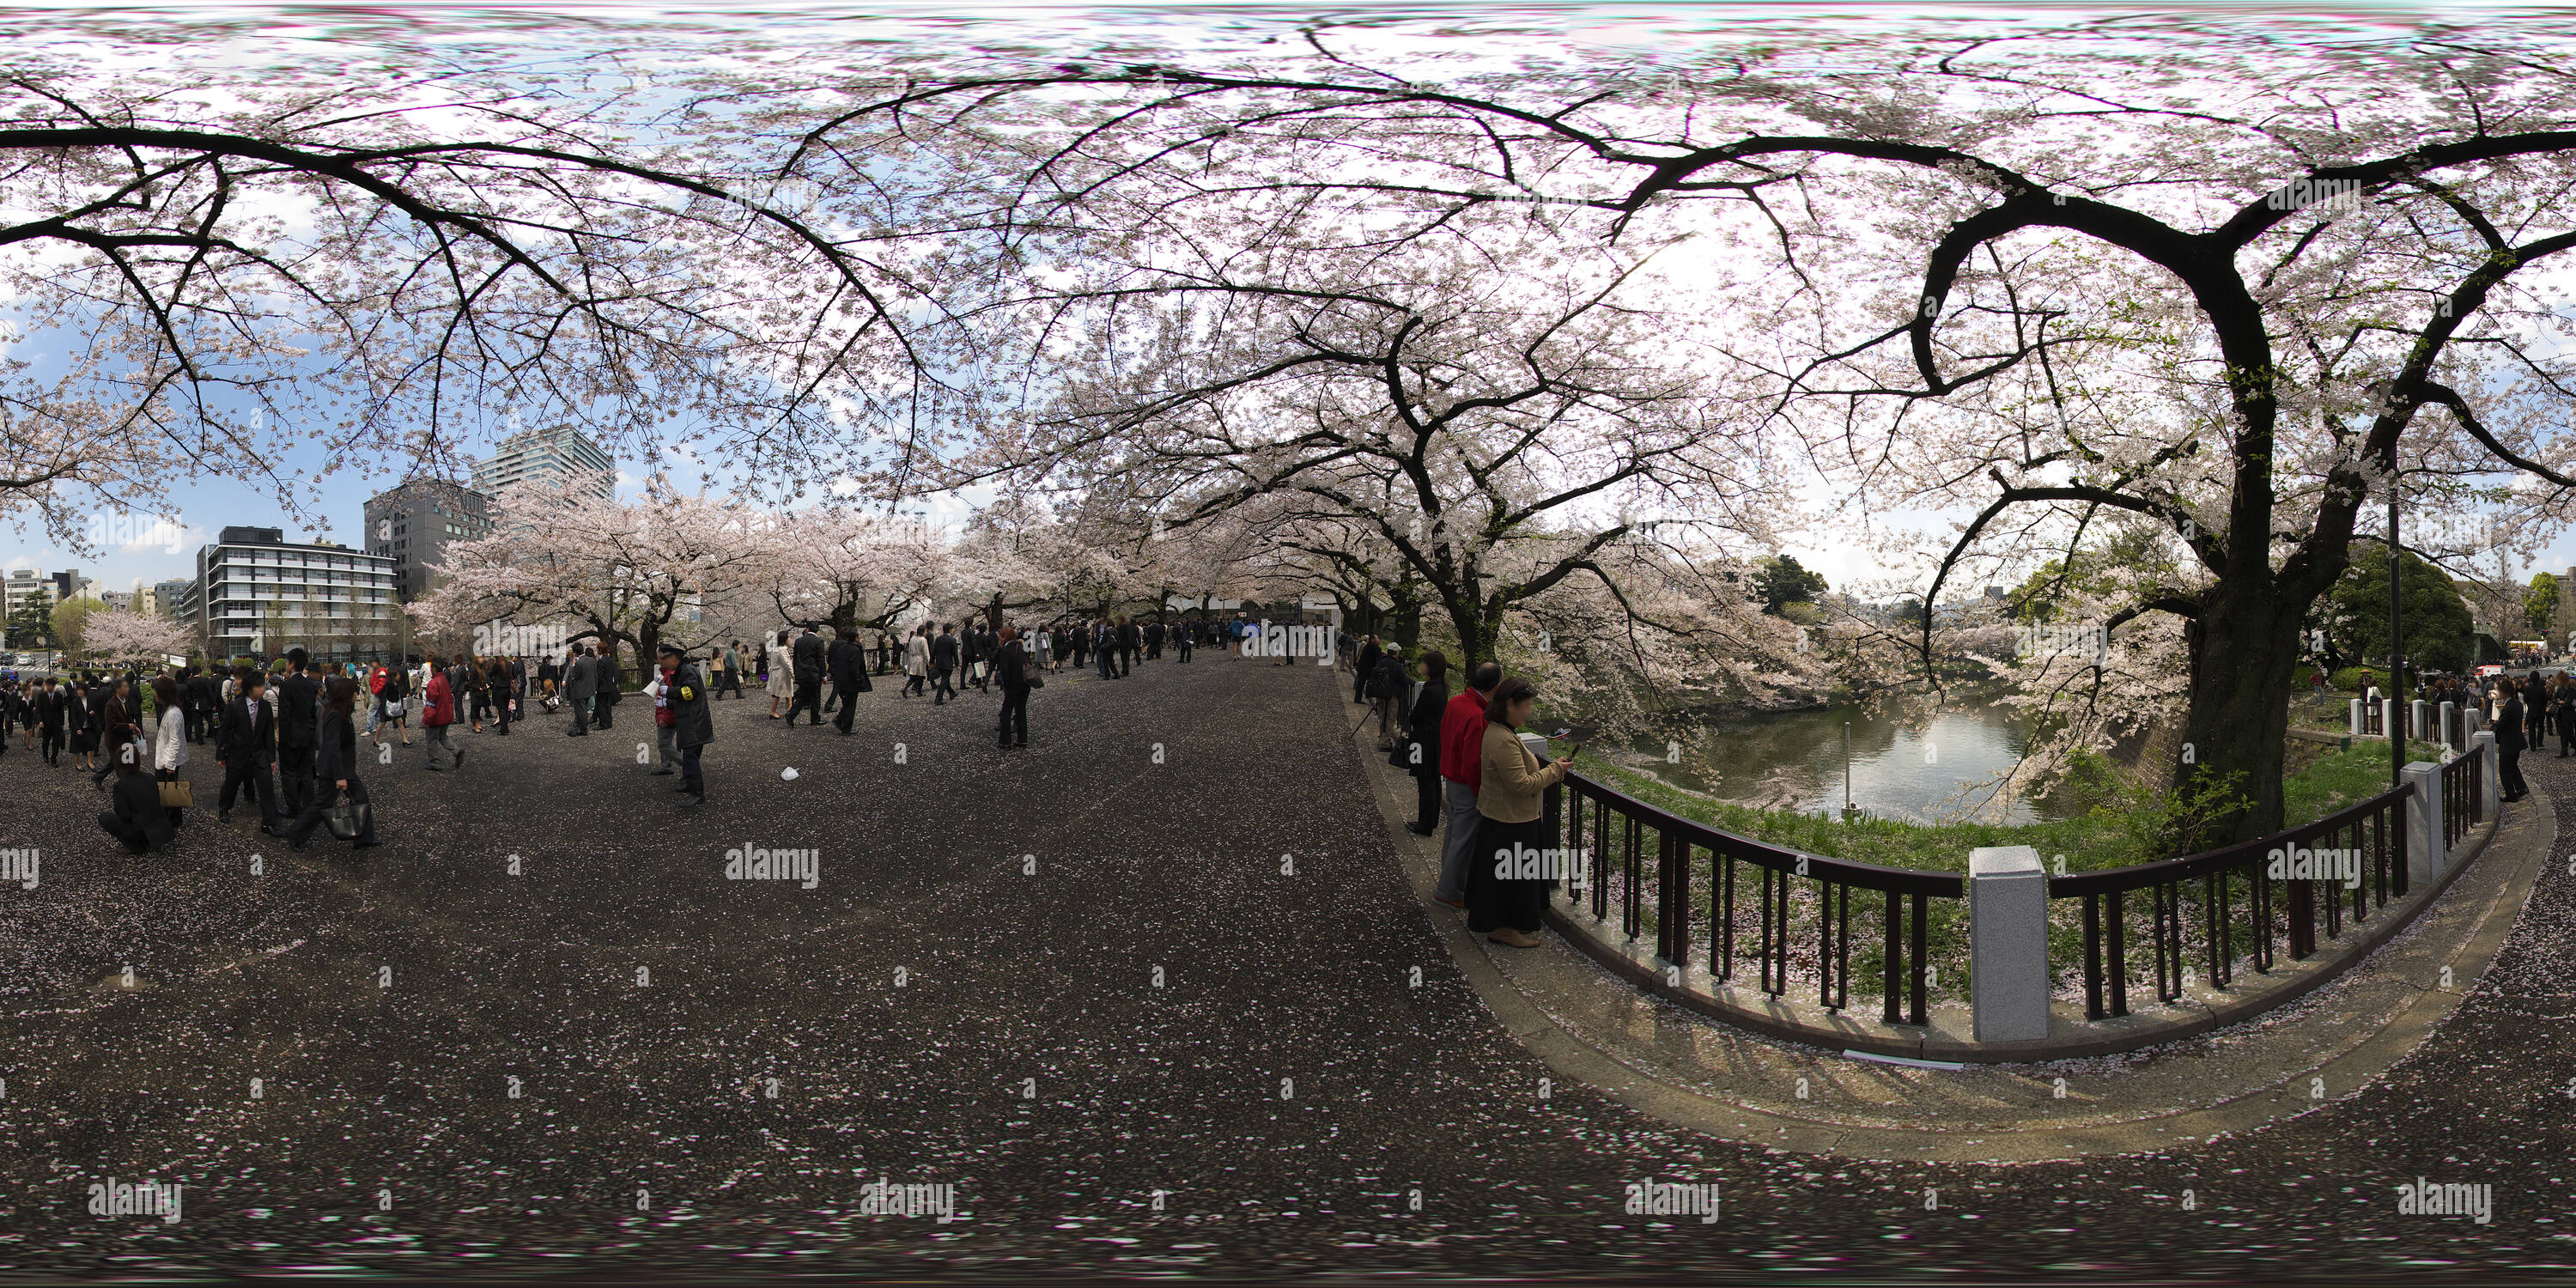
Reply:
x=2349, y=679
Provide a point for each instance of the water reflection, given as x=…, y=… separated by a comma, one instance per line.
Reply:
x=1909, y=761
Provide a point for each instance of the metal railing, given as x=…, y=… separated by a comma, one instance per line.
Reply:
x=1616, y=873
x=2463, y=797
x=2238, y=898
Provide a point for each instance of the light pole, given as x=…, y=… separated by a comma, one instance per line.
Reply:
x=2395, y=715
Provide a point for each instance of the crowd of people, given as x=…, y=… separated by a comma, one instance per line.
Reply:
x=287, y=735
x=1474, y=778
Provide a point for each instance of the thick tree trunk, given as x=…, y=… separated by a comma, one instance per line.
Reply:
x=2245, y=645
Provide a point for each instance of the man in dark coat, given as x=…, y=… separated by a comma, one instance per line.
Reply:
x=50, y=705
x=611, y=683
x=299, y=701
x=849, y=675
x=812, y=662
x=692, y=723
x=246, y=746
x=581, y=689
x=1131, y=637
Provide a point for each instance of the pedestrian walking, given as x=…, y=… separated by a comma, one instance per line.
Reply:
x=336, y=770
x=437, y=716
x=581, y=689
x=943, y=660
x=689, y=715
x=916, y=662
x=849, y=665
x=782, y=679
x=1011, y=664
x=813, y=663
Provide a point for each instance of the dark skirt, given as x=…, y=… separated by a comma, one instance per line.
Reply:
x=1494, y=902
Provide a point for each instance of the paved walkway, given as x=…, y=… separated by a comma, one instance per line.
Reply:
x=1288, y=1088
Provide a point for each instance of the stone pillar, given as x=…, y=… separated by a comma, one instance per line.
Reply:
x=2008, y=943
x=2482, y=744
x=2356, y=717
x=2424, y=849
x=2415, y=720
x=2450, y=712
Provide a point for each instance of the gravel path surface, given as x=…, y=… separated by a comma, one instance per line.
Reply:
x=1288, y=1089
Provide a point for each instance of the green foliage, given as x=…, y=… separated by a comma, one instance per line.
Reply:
x=2540, y=603
x=2356, y=680
x=2436, y=619
x=2137, y=548
x=32, y=623
x=1781, y=582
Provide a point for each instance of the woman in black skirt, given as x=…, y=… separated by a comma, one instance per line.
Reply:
x=1507, y=879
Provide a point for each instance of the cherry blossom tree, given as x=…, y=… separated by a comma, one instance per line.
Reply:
x=2035, y=278
x=624, y=573
x=215, y=269
x=124, y=635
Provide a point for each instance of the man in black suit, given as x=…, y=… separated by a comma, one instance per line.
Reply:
x=611, y=680
x=849, y=676
x=246, y=746
x=812, y=661
x=299, y=703
x=49, y=720
x=581, y=689
x=1153, y=640
x=1130, y=638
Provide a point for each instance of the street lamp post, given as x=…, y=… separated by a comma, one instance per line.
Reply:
x=2395, y=714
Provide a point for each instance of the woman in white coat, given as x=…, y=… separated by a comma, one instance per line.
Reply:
x=916, y=661
x=782, y=674
x=169, y=737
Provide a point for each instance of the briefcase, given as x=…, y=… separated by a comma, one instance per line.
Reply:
x=178, y=794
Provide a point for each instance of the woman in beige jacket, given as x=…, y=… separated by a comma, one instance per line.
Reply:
x=1504, y=898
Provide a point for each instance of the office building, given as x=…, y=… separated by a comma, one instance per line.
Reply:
x=165, y=596
x=412, y=525
x=27, y=586
x=258, y=593
x=547, y=454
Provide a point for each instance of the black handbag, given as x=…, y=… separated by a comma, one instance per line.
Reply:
x=346, y=818
x=1036, y=681
x=1402, y=756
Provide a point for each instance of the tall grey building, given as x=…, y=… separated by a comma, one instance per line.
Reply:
x=542, y=454
x=167, y=595
x=257, y=592
x=412, y=524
